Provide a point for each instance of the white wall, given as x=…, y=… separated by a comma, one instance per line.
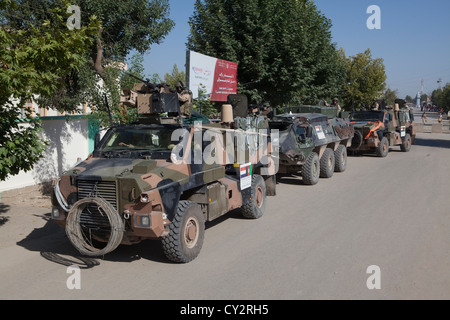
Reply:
x=68, y=140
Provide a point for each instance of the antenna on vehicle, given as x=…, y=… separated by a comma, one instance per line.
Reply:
x=109, y=111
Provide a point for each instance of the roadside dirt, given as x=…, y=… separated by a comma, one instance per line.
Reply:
x=33, y=196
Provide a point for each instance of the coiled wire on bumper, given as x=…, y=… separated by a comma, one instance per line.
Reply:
x=90, y=219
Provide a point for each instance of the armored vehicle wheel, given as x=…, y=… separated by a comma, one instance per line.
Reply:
x=187, y=231
x=340, y=156
x=383, y=148
x=311, y=169
x=406, y=145
x=255, y=208
x=327, y=163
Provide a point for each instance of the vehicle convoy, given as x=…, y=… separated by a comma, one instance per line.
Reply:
x=162, y=179
x=314, y=144
x=377, y=130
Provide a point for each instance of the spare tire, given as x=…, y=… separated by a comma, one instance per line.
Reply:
x=90, y=222
x=357, y=140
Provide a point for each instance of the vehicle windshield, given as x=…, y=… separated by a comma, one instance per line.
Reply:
x=367, y=116
x=149, y=139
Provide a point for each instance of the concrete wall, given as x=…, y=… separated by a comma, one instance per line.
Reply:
x=68, y=141
x=432, y=128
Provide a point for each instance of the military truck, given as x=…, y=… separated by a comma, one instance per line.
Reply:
x=314, y=144
x=158, y=179
x=378, y=130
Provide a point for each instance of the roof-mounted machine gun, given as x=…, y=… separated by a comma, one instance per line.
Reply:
x=155, y=103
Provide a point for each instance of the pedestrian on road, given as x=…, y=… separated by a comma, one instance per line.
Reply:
x=424, y=117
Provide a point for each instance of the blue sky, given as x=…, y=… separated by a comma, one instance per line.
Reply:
x=414, y=39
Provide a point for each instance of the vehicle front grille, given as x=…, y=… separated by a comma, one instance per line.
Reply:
x=94, y=221
x=105, y=190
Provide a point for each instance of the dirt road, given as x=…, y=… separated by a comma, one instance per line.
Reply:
x=313, y=242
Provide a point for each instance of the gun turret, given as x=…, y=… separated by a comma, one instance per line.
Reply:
x=151, y=100
x=145, y=86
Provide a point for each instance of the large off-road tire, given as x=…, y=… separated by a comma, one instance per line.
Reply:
x=407, y=142
x=255, y=208
x=311, y=169
x=186, y=233
x=383, y=148
x=340, y=158
x=327, y=163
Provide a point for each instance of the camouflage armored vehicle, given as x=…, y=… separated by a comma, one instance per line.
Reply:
x=314, y=144
x=378, y=130
x=159, y=180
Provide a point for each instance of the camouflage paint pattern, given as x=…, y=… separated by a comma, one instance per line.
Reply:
x=390, y=123
x=304, y=133
x=151, y=185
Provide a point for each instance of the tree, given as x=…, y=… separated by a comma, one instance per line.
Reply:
x=62, y=69
x=445, y=99
x=174, y=77
x=410, y=99
x=136, y=68
x=389, y=96
x=283, y=48
x=365, y=79
x=441, y=97
x=35, y=59
x=126, y=25
x=424, y=98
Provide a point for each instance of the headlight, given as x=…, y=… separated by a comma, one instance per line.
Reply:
x=145, y=221
x=144, y=198
x=55, y=213
x=142, y=221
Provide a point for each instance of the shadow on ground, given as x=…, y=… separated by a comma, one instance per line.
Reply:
x=53, y=244
x=434, y=143
x=4, y=208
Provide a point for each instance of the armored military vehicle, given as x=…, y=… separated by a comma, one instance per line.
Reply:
x=162, y=179
x=378, y=130
x=314, y=144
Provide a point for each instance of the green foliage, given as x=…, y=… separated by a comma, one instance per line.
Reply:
x=203, y=104
x=283, y=48
x=126, y=25
x=176, y=75
x=21, y=144
x=441, y=97
x=389, y=96
x=445, y=100
x=365, y=79
x=410, y=99
x=36, y=58
x=424, y=98
x=136, y=68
